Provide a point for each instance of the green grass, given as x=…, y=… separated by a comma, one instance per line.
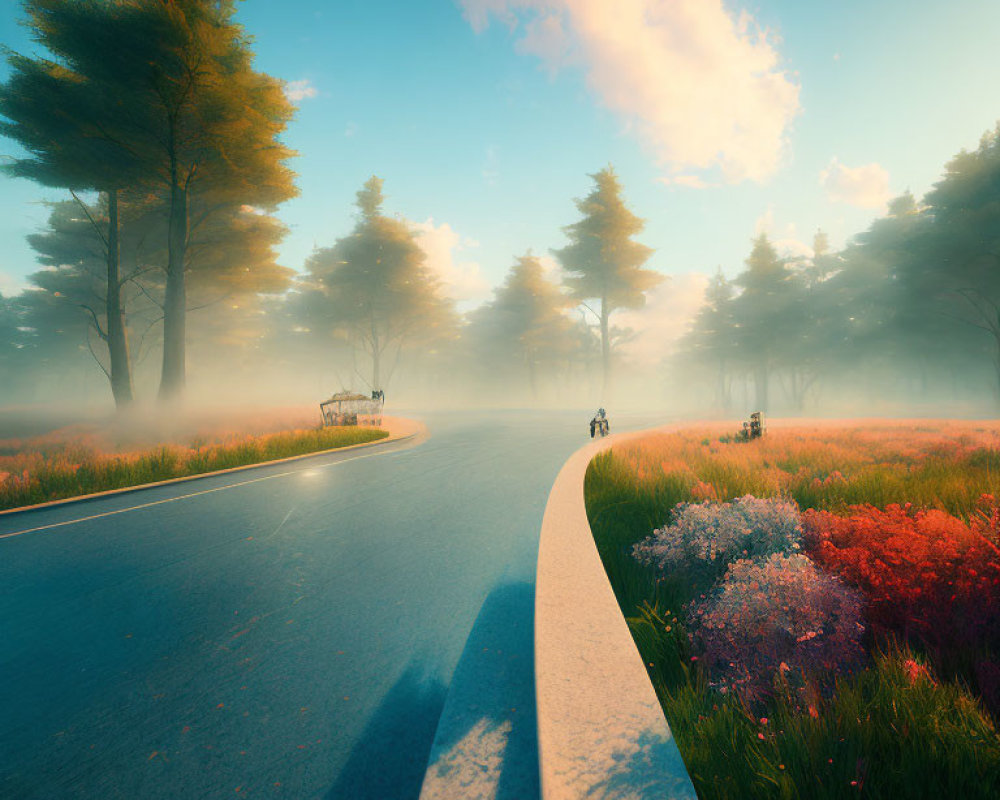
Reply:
x=72, y=474
x=880, y=735
x=826, y=468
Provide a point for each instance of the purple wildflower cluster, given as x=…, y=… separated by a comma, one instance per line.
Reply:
x=776, y=615
x=770, y=610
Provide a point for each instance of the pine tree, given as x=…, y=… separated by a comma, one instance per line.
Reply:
x=603, y=262
x=374, y=286
x=524, y=326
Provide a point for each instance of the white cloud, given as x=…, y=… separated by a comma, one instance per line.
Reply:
x=702, y=88
x=765, y=222
x=461, y=280
x=866, y=186
x=297, y=91
x=551, y=268
x=546, y=38
x=792, y=248
x=689, y=181
x=669, y=310
x=9, y=285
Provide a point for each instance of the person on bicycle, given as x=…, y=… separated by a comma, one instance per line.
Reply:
x=599, y=423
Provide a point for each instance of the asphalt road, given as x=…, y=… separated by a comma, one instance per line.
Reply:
x=284, y=632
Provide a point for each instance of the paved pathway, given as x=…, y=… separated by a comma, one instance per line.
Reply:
x=293, y=637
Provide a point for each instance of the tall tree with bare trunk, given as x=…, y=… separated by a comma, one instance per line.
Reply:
x=602, y=261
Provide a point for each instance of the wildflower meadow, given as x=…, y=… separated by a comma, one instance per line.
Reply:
x=819, y=610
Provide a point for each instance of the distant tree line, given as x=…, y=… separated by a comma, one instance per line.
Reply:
x=155, y=107
x=151, y=117
x=911, y=307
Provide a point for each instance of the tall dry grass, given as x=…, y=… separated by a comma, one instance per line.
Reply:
x=89, y=459
x=945, y=465
x=882, y=733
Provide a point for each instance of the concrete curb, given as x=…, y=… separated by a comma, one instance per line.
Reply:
x=601, y=731
x=421, y=431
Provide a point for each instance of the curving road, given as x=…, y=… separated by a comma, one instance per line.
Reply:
x=284, y=632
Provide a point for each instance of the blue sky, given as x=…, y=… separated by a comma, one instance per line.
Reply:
x=484, y=118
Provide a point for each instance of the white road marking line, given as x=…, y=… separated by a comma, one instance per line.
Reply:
x=281, y=524
x=187, y=496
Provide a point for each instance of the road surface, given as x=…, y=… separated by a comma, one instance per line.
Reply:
x=283, y=632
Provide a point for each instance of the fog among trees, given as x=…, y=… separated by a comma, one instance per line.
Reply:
x=157, y=274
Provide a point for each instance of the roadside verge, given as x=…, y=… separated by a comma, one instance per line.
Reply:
x=601, y=731
x=399, y=429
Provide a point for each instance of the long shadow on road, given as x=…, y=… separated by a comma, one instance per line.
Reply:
x=389, y=758
x=487, y=742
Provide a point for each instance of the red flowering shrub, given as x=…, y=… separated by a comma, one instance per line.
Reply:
x=929, y=578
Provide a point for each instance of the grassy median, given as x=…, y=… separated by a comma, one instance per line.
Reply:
x=914, y=720
x=38, y=476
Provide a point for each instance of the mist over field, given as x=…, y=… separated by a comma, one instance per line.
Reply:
x=172, y=263
x=901, y=322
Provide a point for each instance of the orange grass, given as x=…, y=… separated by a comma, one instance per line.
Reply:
x=934, y=464
x=87, y=459
x=883, y=732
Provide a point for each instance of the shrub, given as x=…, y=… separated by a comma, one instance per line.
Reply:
x=926, y=573
x=706, y=537
x=928, y=577
x=781, y=617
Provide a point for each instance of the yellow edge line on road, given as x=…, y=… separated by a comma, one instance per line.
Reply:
x=205, y=491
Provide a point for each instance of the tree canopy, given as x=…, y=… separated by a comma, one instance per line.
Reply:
x=602, y=262
x=373, y=286
x=525, y=327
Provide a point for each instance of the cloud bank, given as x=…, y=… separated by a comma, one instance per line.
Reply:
x=297, y=91
x=669, y=311
x=702, y=88
x=866, y=186
x=461, y=280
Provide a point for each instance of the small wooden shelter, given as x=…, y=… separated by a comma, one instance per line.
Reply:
x=754, y=429
x=351, y=408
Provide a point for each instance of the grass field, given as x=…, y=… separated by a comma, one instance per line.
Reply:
x=915, y=721
x=88, y=459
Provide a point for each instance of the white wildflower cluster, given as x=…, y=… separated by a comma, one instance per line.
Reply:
x=718, y=533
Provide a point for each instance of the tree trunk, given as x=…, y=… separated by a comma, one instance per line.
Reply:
x=376, y=357
x=175, y=306
x=996, y=357
x=605, y=350
x=121, y=368
x=760, y=386
x=721, y=390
